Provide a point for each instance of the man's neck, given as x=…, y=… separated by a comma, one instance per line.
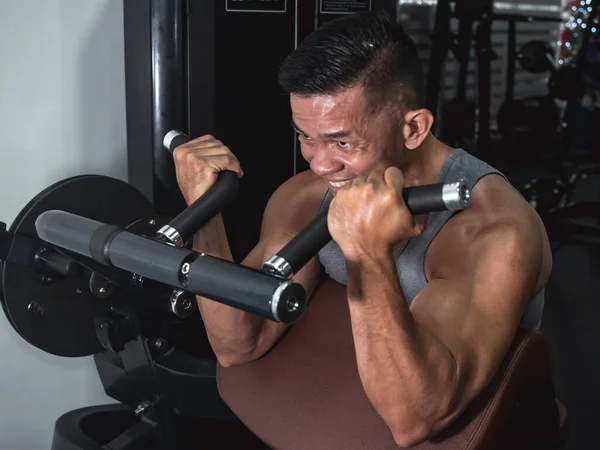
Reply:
x=423, y=168
x=425, y=163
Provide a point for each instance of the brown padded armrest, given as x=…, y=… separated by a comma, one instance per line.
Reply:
x=306, y=393
x=518, y=408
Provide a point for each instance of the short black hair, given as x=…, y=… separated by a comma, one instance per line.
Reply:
x=369, y=48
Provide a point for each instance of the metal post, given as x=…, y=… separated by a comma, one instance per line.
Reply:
x=484, y=65
x=138, y=95
x=465, y=38
x=511, y=59
x=156, y=95
x=439, y=52
x=169, y=100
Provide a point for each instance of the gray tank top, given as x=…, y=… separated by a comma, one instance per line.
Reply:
x=410, y=257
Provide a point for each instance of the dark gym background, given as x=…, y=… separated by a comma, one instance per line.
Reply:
x=202, y=67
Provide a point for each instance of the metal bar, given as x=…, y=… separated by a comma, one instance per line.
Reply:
x=465, y=38
x=511, y=57
x=525, y=18
x=439, y=52
x=202, y=68
x=484, y=65
x=138, y=95
x=169, y=103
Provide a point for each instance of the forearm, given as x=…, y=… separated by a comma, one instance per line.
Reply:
x=212, y=239
x=233, y=333
x=408, y=374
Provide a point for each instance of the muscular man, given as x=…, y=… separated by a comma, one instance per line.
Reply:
x=434, y=301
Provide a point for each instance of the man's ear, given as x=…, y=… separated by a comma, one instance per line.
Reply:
x=417, y=125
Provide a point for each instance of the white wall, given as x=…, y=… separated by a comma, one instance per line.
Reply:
x=62, y=113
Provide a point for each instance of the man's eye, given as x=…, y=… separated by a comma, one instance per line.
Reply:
x=343, y=144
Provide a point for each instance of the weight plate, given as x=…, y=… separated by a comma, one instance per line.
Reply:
x=56, y=313
x=536, y=57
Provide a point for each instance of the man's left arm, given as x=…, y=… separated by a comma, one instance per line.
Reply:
x=422, y=366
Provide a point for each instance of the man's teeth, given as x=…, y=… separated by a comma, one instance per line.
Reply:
x=340, y=184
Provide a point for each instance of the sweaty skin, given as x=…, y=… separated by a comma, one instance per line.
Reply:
x=420, y=366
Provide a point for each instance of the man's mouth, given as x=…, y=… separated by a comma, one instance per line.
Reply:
x=339, y=184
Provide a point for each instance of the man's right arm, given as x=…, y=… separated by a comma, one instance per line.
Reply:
x=236, y=336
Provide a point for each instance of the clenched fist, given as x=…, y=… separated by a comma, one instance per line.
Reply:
x=198, y=163
x=369, y=217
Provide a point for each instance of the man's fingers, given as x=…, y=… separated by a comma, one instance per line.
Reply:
x=209, y=143
x=212, y=150
x=376, y=178
x=226, y=162
x=206, y=137
x=394, y=178
x=359, y=180
x=200, y=153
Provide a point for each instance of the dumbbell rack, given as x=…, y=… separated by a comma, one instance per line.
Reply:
x=513, y=20
x=483, y=16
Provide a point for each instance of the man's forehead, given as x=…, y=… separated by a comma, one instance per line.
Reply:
x=315, y=106
x=348, y=100
x=325, y=125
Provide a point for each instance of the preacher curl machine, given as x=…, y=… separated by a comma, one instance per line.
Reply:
x=88, y=268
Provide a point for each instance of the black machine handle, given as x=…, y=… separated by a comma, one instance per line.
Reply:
x=238, y=286
x=194, y=217
x=419, y=200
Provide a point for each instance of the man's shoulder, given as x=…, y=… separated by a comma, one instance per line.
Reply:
x=495, y=201
x=498, y=211
x=495, y=205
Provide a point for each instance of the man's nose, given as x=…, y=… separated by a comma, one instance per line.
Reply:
x=323, y=164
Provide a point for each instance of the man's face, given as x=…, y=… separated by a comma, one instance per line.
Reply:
x=341, y=140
